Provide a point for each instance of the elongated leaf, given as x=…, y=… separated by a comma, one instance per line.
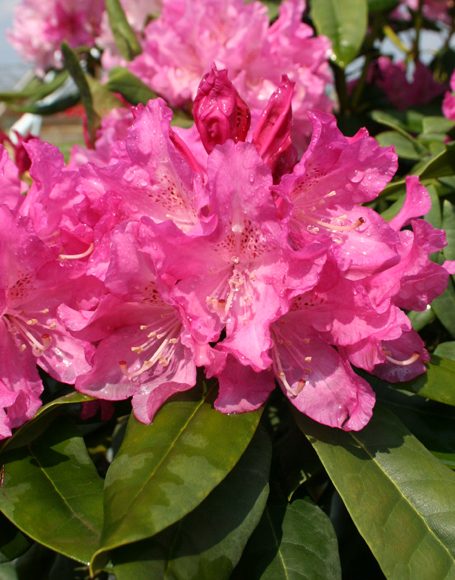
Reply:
x=44, y=416
x=406, y=148
x=166, y=469
x=209, y=541
x=125, y=37
x=345, y=23
x=396, y=124
x=397, y=493
x=446, y=350
x=74, y=68
x=448, y=224
x=51, y=492
x=441, y=165
x=432, y=423
x=13, y=543
x=444, y=308
x=381, y=5
x=130, y=86
x=44, y=108
x=36, y=90
x=437, y=383
x=437, y=125
x=292, y=542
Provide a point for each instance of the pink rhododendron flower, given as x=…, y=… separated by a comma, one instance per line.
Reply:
x=40, y=27
x=392, y=78
x=183, y=43
x=448, y=105
x=207, y=258
x=433, y=9
x=31, y=287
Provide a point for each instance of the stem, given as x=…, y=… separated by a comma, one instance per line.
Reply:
x=395, y=39
x=418, y=22
x=341, y=88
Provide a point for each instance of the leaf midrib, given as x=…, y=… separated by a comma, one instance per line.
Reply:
x=158, y=465
x=406, y=499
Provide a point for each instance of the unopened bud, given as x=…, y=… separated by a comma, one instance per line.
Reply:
x=219, y=112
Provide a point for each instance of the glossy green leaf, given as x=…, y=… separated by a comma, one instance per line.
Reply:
x=166, y=469
x=444, y=308
x=44, y=108
x=437, y=383
x=13, y=543
x=399, y=496
x=440, y=165
x=432, y=423
x=381, y=5
x=36, y=89
x=130, y=86
x=420, y=319
x=345, y=23
x=209, y=541
x=437, y=125
x=103, y=99
x=52, y=492
x=43, y=417
x=448, y=224
x=391, y=121
x=292, y=542
x=446, y=350
x=73, y=66
x=124, y=35
x=406, y=148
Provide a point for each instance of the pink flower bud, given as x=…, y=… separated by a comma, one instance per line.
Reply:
x=272, y=135
x=218, y=110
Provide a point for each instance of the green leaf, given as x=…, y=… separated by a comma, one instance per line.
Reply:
x=36, y=89
x=12, y=542
x=399, y=496
x=448, y=224
x=71, y=63
x=103, y=99
x=432, y=423
x=41, y=108
x=166, y=469
x=345, y=23
x=440, y=165
x=292, y=542
x=405, y=147
x=420, y=319
x=43, y=417
x=437, y=383
x=381, y=5
x=444, y=308
x=51, y=492
x=273, y=7
x=125, y=37
x=437, y=125
x=130, y=86
x=393, y=121
x=209, y=541
x=446, y=350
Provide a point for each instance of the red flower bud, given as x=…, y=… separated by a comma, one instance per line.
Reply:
x=272, y=135
x=218, y=110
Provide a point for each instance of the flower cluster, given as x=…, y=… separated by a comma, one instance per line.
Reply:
x=158, y=253
x=180, y=45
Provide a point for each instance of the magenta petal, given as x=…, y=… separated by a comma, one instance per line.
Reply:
x=319, y=382
x=416, y=204
x=241, y=389
x=405, y=358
